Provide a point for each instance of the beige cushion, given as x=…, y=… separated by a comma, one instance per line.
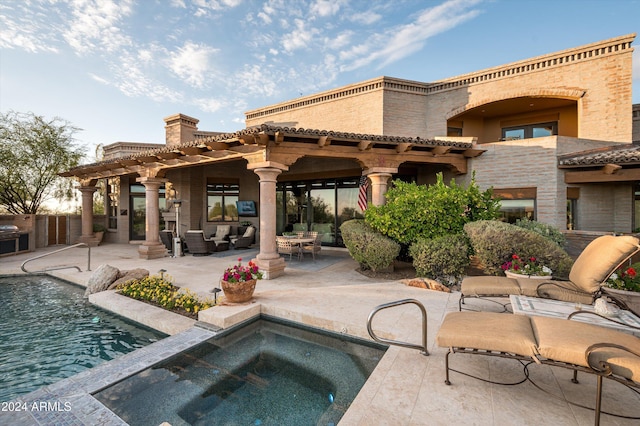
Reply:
x=249, y=232
x=599, y=259
x=553, y=290
x=489, y=286
x=222, y=231
x=567, y=341
x=488, y=331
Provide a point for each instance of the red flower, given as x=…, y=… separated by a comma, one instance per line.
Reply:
x=631, y=272
x=515, y=256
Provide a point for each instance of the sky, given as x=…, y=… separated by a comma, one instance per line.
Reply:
x=115, y=69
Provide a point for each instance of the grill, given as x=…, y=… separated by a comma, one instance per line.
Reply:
x=9, y=232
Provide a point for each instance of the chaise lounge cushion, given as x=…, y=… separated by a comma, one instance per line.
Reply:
x=488, y=331
x=567, y=341
x=596, y=261
x=482, y=285
x=553, y=289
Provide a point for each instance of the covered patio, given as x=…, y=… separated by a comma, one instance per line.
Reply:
x=270, y=152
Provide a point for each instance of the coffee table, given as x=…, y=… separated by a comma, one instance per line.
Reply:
x=536, y=306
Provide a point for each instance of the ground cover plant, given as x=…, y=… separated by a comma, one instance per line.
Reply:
x=159, y=291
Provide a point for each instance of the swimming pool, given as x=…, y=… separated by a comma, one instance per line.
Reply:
x=266, y=372
x=49, y=332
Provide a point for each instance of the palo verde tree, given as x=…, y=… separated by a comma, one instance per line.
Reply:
x=33, y=151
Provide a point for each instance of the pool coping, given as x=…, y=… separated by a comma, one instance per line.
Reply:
x=70, y=401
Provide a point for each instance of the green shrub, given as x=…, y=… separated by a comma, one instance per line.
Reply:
x=369, y=248
x=416, y=211
x=160, y=291
x=443, y=258
x=547, y=231
x=494, y=243
x=98, y=227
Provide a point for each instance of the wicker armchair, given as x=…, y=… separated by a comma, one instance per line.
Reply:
x=285, y=247
x=166, y=237
x=315, y=246
x=245, y=240
x=199, y=245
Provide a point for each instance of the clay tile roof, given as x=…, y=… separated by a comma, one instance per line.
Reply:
x=626, y=154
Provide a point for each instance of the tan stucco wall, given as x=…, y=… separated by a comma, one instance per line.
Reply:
x=597, y=77
x=347, y=109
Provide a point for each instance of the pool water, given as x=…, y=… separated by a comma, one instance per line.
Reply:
x=263, y=373
x=48, y=332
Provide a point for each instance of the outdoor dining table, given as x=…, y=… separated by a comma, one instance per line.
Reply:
x=299, y=241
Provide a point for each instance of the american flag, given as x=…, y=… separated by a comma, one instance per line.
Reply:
x=362, y=194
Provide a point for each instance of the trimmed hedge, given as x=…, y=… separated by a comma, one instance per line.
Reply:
x=547, y=231
x=369, y=248
x=444, y=259
x=494, y=243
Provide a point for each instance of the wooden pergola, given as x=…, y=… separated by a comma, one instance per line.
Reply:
x=268, y=151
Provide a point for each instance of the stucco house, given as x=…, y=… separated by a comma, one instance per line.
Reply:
x=553, y=135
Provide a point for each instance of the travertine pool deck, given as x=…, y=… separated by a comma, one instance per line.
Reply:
x=407, y=388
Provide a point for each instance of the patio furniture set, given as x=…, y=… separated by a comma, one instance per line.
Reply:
x=554, y=322
x=299, y=244
x=197, y=244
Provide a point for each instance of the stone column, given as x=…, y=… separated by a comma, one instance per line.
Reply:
x=152, y=248
x=87, y=236
x=268, y=259
x=379, y=182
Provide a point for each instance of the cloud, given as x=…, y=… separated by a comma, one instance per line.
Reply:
x=326, y=7
x=95, y=25
x=21, y=27
x=367, y=17
x=191, y=63
x=299, y=38
x=401, y=41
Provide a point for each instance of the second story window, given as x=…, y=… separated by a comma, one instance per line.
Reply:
x=530, y=131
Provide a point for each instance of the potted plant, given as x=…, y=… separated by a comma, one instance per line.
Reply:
x=624, y=285
x=239, y=281
x=518, y=267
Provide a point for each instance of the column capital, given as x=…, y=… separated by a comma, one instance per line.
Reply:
x=151, y=182
x=267, y=165
x=380, y=170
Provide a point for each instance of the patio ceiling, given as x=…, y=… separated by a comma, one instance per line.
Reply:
x=285, y=145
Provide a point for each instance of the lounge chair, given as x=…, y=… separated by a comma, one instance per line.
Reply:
x=591, y=269
x=222, y=234
x=166, y=237
x=557, y=342
x=197, y=243
x=245, y=240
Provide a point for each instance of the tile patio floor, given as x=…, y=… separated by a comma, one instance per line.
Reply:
x=406, y=388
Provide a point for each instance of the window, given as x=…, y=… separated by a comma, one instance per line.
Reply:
x=530, y=131
x=573, y=194
x=221, y=202
x=517, y=203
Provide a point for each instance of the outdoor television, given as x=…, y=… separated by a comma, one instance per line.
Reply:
x=246, y=208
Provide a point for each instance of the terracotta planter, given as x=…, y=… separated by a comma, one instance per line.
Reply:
x=238, y=292
x=630, y=298
x=531, y=277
